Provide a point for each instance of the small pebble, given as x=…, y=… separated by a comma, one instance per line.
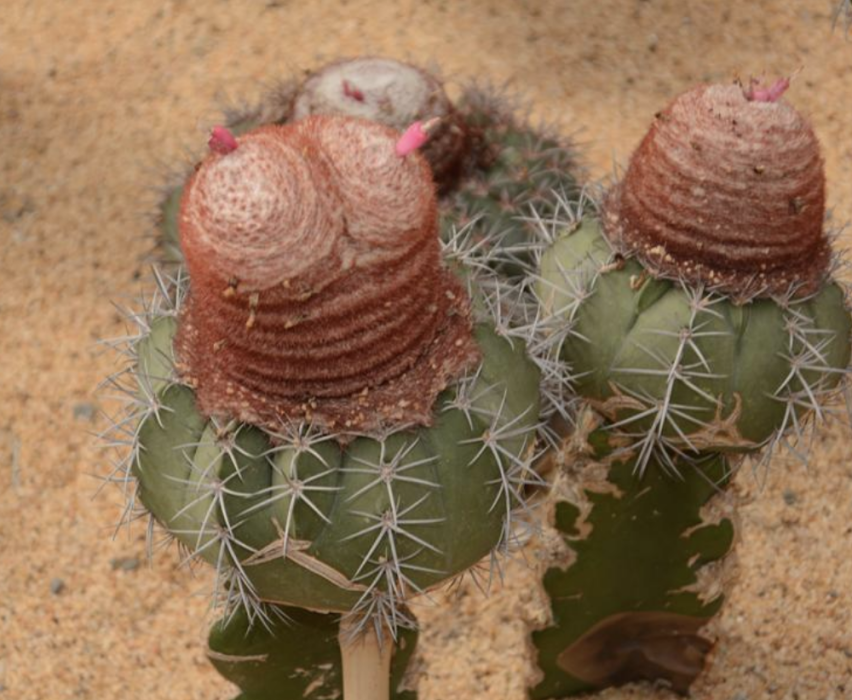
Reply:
x=124, y=563
x=790, y=497
x=85, y=411
x=57, y=585
x=13, y=207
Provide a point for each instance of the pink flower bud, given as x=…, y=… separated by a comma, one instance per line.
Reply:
x=352, y=92
x=758, y=93
x=415, y=136
x=222, y=141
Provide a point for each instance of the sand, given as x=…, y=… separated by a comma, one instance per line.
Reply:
x=100, y=100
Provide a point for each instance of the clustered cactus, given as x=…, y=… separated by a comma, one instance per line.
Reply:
x=489, y=165
x=370, y=354
x=377, y=89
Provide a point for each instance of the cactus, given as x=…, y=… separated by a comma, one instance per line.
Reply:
x=711, y=265
x=489, y=165
x=699, y=318
x=320, y=412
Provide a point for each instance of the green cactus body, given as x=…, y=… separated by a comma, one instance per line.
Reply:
x=301, y=520
x=293, y=658
x=522, y=175
x=677, y=365
x=629, y=605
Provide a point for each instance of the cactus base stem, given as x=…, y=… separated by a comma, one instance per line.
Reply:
x=366, y=662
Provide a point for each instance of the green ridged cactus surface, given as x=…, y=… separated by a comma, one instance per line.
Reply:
x=683, y=366
x=299, y=519
x=520, y=177
x=647, y=571
x=724, y=329
x=296, y=657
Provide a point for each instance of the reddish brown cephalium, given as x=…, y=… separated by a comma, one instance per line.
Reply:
x=728, y=192
x=317, y=287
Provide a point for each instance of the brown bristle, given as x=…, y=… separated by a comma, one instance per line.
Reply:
x=317, y=289
x=728, y=192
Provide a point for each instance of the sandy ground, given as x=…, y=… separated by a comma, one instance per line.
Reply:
x=100, y=99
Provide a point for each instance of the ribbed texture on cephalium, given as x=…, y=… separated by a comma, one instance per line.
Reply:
x=727, y=192
x=317, y=289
